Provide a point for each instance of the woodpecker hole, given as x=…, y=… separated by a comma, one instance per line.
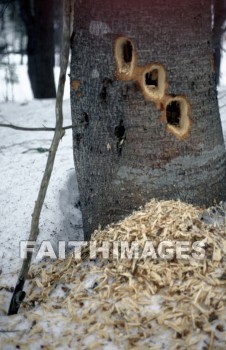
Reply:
x=151, y=78
x=177, y=115
x=173, y=113
x=125, y=58
x=127, y=49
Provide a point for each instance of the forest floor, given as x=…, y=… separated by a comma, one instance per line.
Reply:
x=22, y=157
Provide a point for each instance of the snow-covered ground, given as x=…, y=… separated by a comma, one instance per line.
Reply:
x=22, y=157
x=20, y=91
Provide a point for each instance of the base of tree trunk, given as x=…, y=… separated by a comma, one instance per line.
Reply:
x=144, y=97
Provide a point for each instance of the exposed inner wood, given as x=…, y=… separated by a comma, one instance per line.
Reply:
x=177, y=115
x=125, y=58
x=153, y=81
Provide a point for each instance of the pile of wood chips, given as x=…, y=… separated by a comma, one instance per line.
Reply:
x=133, y=303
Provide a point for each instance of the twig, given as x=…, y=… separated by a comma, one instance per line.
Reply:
x=13, y=52
x=3, y=331
x=16, y=127
x=19, y=294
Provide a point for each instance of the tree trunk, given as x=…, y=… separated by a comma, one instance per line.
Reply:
x=139, y=137
x=38, y=18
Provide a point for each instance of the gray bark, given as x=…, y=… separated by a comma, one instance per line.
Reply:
x=119, y=169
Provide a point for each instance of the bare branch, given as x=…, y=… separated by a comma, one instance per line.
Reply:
x=14, y=52
x=19, y=294
x=13, y=331
x=16, y=127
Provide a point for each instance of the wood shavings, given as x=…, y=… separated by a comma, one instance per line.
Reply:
x=135, y=302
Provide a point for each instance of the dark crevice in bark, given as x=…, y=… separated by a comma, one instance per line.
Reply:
x=120, y=134
x=86, y=119
x=105, y=83
x=78, y=138
x=127, y=51
x=151, y=78
x=173, y=113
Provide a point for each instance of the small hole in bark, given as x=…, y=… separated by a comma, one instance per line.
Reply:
x=127, y=51
x=78, y=138
x=105, y=83
x=86, y=119
x=120, y=130
x=103, y=93
x=173, y=113
x=151, y=78
x=120, y=134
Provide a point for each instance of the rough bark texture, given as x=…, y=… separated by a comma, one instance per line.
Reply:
x=38, y=19
x=120, y=169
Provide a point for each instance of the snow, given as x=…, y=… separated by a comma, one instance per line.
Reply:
x=23, y=157
x=22, y=167
x=21, y=91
